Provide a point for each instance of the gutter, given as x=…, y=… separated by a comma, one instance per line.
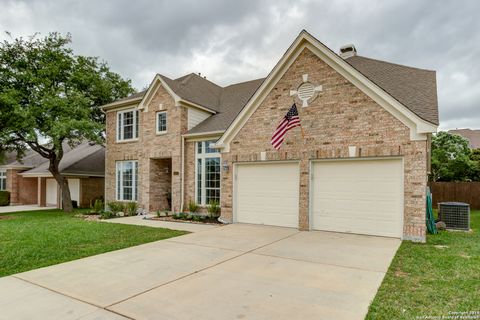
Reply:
x=203, y=134
x=114, y=105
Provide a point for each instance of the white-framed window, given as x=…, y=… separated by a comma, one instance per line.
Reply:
x=127, y=125
x=162, y=122
x=3, y=179
x=207, y=162
x=127, y=180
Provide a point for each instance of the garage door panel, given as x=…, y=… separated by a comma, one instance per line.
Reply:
x=267, y=193
x=358, y=196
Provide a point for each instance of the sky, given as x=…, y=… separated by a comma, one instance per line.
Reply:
x=233, y=41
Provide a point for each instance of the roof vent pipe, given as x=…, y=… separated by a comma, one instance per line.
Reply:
x=348, y=51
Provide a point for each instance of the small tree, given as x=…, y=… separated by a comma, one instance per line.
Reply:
x=450, y=158
x=50, y=97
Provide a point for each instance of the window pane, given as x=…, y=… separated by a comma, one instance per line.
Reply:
x=127, y=177
x=207, y=147
x=162, y=121
x=136, y=182
x=119, y=126
x=199, y=181
x=212, y=180
x=136, y=123
x=199, y=147
x=128, y=125
x=119, y=180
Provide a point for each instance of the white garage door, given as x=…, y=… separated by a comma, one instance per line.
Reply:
x=358, y=196
x=267, y=193
x=51, y=195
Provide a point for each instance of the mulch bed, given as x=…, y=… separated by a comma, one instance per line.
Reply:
x=171, y=219
x=88, y=217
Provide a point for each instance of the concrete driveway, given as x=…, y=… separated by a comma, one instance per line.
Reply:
x=232, y=272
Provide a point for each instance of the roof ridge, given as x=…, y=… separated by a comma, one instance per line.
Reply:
x=243, y=82
x=392, y=63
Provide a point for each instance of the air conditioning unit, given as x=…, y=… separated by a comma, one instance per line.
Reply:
x=456, y=215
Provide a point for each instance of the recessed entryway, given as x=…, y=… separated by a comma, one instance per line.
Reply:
x=358, y=196
x=267, y=193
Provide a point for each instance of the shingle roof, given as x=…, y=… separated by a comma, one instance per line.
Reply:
x=85, y=159
x=415, y=88
x=231, y=102
x=472, y=135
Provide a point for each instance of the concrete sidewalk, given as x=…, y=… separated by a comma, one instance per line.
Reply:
x=20, y=208
x=231, y=272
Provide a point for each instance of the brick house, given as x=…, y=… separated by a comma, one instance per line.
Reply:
x=361, y=165
x=30, y=183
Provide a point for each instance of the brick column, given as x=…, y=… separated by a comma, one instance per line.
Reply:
x=303, y=216
x=42, y=192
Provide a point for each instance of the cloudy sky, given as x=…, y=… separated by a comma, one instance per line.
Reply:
x=232, y=41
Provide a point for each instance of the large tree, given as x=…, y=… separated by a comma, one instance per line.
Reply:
x=50, y=97
x=451, y=158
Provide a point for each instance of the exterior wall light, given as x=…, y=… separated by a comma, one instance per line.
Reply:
x=225, y=166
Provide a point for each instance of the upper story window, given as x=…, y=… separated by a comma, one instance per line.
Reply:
x=3, y=179
x=127, y=180
x=207, y=173
x=127, y=125
x=162, y=122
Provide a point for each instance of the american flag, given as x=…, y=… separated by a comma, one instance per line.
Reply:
x=291, y=120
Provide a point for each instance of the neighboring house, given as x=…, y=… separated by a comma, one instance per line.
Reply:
x=361, y=166
x=30, y=182
x=473, y=136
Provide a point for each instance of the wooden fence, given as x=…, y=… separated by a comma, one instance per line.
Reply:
x=468, y=192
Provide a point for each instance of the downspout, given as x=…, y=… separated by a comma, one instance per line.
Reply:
x=182, y=151
x=105, y=163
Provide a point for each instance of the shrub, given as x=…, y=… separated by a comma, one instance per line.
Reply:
x=180, y=215
x=4, y=198
x=192, y=206
x=97, y=206
x=107, y=214
x=213, y=208
x=131, y=208
x=116, y=206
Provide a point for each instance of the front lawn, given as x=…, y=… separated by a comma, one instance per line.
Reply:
x=30, y=240
x=439, y=278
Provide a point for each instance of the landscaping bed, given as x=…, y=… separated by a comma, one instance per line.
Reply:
x=206, y=220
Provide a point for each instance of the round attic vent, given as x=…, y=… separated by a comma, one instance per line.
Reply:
x=306, y=91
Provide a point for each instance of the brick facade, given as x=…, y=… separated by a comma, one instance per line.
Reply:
x=91, y=188
x=339, y=117
x=22, y=190
x=154, y=153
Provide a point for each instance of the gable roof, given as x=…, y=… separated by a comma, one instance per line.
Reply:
x=411, y=92
x=85, y=159
x=231, y=102
x=407, y=115
x=413, y=87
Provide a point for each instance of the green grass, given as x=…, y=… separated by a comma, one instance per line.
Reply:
x=35, y=239
x=425, y=280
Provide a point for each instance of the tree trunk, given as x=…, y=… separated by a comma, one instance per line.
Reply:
x=66, y=204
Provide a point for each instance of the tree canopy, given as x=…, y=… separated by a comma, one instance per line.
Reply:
x=452, y=159
x=49, y=96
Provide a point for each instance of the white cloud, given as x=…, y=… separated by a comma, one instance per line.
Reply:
x=235, y=41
